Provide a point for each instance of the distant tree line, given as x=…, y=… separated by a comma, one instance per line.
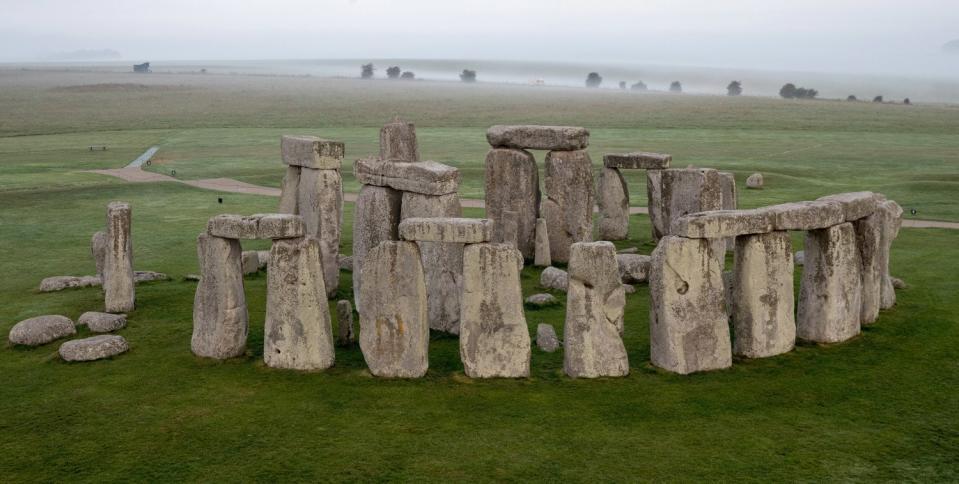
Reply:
x=790, y=91
x=394, y=72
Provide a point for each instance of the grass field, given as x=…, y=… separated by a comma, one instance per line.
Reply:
x=880, y=407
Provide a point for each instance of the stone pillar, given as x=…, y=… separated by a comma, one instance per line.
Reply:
x=118, y=289
x=297, y=333
x=830, y=296
x=442, y=261
x=220, y=320
x=692, y=190
x=394, y=331
x=507, y=228
x=289, y=189
x=398, y=142
x=512, y=184
x=762, y=295
x=376, y=216
x=542, y=258
x=727, y=186
x=494, y=338
x=689, y=329
x=570, y=197
x=594, y=313
x=612, y=195
x=869, y=242
x=98, y=246
x=320, y=202
x=654, y=202
x=346, y=335
x=892, y=221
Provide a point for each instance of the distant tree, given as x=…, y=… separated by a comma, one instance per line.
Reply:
x=734, y=88
x=788, y=91
x=408, y=75
x=877, y=99
x=468, y=76
x=594, y=79
x=852, y=98
x=367, y=71
x=622, y=84
x=639, y=86
x=906, y=101
x=675, y=86
x=393, y=72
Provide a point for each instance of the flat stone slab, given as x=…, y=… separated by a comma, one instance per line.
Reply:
x=723, y=223
x=311, y=152
x=805, y=215
x=94, y=348
x=102, y=322
x=59, y=283
x=41, y=330
x=257, y=226
x=452, y=229
x=637, y=160
x=557, y=138
x=425, y=177
x=542, y=300
x=855, y=205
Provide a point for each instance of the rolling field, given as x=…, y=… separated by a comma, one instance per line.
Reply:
x=880, y=407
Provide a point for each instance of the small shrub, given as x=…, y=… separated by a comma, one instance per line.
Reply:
x=594, y=79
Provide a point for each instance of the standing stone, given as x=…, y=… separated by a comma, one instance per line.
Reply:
x=612, y=195
x=654, y=202
x=754, y=181
x=689, y=329
x=633, y=268
x=346, y=335
x=394, y=331
x=250, y=262
x=762, y=294
x=568, y=208
x=494, y=338
x=830, y=295
x=727, y=186
x=289, y=190
x=542, y=257
x=297, y=334
x=398, y=142
x=692, y=190
x=507, y=228
x=320, y=203
x=546, y=338
x=118, y=283
x=892, y=221
x=98, y=246
x=869, y=242
x=376, y=217
x=512, y=184
x=220, y=320
x=594, y=313
x=442, y=261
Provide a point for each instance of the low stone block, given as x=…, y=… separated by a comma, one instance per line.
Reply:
x=830, y=295
x=59, y=283
x=855, y=205
x=637, y=160
x=553, y=278
x=426, y=177
x=633, y=268
x=94, y=348
x=755, y=181
x=459, y=230
x=546, y=338
x=804, y=215
x=102, y=322
x=723, y=223
x=762, y=295
x=542, y=300
x=557, y=138
x=398, y=142
x=41, y=330
x=312, y=152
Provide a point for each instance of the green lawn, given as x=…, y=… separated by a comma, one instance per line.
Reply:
x=880, y=407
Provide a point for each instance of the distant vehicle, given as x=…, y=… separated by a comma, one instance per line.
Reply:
x=142, y=68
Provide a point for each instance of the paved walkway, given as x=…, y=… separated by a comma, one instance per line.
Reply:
x=134, y=173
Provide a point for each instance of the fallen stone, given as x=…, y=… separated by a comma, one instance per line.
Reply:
x=633, y=267
x=568, y=208
x=762, y=308
x=312, y=152
x=689, y=329
x=869, y=242
x=455, y=230
x=220, y=319
x=346, y=334
x=320, y=204
x=557, y=138
x=426, y=177
x=855, y=205
x=41, y=330
x=118, y=284
x=830, y=295
x=546, y=338
x=542, y=257
x=192, y=277
x=289, y=189
x=612, y=196
x=394, y=330
x=553, y=278
x=149, y=276
x=754, y=181
x=542, y=300
x=594, y=313
x=723, y=224
x=638, y=160
x=94, y=348
x=654, y=203
x=102, y=322
x=800, y=258
x=898, y=283
x=98, y=246
x=257, y=226
x=376, y=216
x=59, y=283
x=804, y=215
x=398, y=142
x=512, y=184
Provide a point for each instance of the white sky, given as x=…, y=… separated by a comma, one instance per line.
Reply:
x=879, y=36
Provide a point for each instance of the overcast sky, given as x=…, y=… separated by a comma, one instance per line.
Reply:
x=879, y=36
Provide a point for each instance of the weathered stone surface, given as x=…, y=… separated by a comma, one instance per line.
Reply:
x=654, y=203
x=263, y=258
x=553, y=278
x=250, y=261
x=799, y=258
x=59, y=283
x=612, y=196
x=321, y=206
x=149, y=276
x=855, y=205
x=628, y=250
x=346, y=333
x=727, y=186
x=762, y=308
x=754, y=181
x=830, y=295
x=637, y=160
x=507, y=228
x=633, y=267
x=558, y=138
x=869, y=241
x=289, y=190
x=257, y=226
x=568, y=207
x=297, y=334
x=311, y=152
x=345, y=262
x=594, y=313
x=398, y=142
x=98, y=247
x=102, y=322
x=898, y=283
x=892, y=221
x=688, y=191
x=542, y=300
x=94, y=348
x=804, y=215
x=629, y=289
x=118, y=283
x=689, y=328
x=512, y=184
x=41, y=330
x=494, y=338
x=542, y=256
x=394, y=331
x=376, y=216
x=220, y=319
x=723, y=224
x=426, y=177
x=546, y=338
x=456, y=230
